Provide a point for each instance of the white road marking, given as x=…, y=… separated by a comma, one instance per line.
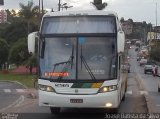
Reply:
x=143, y=92
x=129, y=92
x=7, y=90
x=20, y=90
x=158, y=105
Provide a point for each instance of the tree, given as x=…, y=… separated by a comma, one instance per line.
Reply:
x=29, y=13
x=13, y=13
x=4, y=49
x=122, y=19
x=99, y=5
x=155, y=54
x=31, y=62
x=130, y=20
x=19, y=52
x=15, y=31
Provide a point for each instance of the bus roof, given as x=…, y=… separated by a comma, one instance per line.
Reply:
x=79, y=13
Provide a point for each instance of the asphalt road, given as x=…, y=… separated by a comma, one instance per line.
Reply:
x=150, y=83
x=8, y=95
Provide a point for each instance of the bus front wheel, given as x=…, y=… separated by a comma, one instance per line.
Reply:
x=55, y=110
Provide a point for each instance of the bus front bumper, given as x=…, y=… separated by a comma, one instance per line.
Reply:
x=100, y=100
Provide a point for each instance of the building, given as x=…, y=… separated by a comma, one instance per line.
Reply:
x=3, y=16
x=127, y=27
x=157, y=29
x=153, y=39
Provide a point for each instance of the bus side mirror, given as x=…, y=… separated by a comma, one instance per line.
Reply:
x=120, y=41
x=31, y=42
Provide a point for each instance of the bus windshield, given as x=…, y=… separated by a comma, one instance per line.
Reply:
x=83, y=24
x=79, y=58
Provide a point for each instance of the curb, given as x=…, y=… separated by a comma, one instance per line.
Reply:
x=14, y=82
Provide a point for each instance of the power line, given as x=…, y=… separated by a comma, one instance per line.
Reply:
x=71, y=1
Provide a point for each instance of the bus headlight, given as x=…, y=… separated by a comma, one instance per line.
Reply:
x=46, y=88
x=108, y=89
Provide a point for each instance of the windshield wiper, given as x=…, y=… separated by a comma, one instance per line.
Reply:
x=86, y=65
x=66, y=64
x=60, y=63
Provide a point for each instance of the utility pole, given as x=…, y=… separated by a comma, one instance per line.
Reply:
x=156, y=21
x=156, y=13
x=42, y=8
x=39, y=13
x=59, y=5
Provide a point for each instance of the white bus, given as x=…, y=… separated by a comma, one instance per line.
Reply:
x=80, y=55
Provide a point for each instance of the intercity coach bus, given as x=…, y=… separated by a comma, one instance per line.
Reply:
x=80, y=54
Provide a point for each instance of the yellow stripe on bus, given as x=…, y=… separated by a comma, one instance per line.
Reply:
x=96, y=85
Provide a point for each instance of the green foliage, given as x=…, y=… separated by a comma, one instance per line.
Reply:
x=155, y=54
x=3, y=27
x=30, y=14
x=19, y=52
x=11, y=15
x=99, y=5
x=15, y=31
x=4, y=49
x=32, y=61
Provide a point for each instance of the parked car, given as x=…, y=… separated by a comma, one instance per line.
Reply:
x=148, y=67
x=142, y=61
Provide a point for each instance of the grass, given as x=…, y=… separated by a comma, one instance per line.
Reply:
x=25, y=79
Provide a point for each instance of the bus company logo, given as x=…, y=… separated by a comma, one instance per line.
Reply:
x=61, y=85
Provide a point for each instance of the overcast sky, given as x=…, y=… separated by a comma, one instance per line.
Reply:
x=138, y=10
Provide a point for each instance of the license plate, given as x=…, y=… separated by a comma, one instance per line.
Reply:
x=76, y=100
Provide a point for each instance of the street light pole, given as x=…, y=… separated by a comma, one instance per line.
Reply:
x=39, y=12
x=156, y=13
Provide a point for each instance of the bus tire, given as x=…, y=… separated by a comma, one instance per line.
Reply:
x=55, y=110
